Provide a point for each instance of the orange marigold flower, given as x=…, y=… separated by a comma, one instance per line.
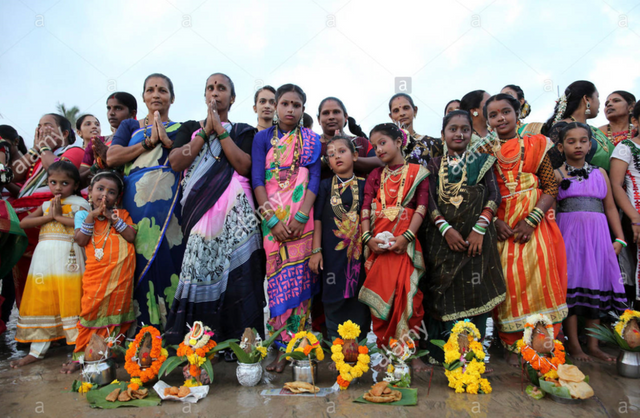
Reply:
x=363, y=349
x=307, y=350
x=133, y=386
x=338, y=341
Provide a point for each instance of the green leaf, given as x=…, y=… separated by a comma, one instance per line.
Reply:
x=451, y=367
x=169, y=365
x=438, y=343
x=243, y=357
x=221, y=346
x=533, y=375
x=273, y=337
x=208, y=367
x=535, y=395
x=549, y=387
x=154, y=314
x=419, y=354
x=96, y=398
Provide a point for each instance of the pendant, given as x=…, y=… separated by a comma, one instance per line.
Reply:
x=335, y=201
x=391, y=213
x=99, y=254
x=511, y=187
x=456, y=201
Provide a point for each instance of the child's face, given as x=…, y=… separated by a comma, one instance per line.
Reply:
x=457, y=134
x=386, y=148
x=576, y=144
x=502, y=118
x=341, y=158
x=60, y=184
x=290, y=109
x=104, y=188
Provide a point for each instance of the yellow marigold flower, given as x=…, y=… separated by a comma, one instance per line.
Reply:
x=349, y=330
x=196, y=359
x=390, y=368
x=137, y=381
x=336, y=357
x=451, y=356
x=164, y=353
x=364, y=358
x=192, y=383
x=319, y=354
x=551, y=374
x=473, y=388
x=485, y=386
x=262, y=350
x=300, y=349
x=193, y=342
x=85, y=387
x=115, y=382
x=336, y=348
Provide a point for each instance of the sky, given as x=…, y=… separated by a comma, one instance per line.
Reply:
x=79, y=52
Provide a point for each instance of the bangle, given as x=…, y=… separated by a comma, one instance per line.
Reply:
x=146, y=146
x=33, y=152
x=273, y=221
x=316, y=250
x=202, y=134
x=43, y=149
x=409, y=235
x=120, y=226
x=223, y=136
x=531, y=223
x=301, y=217
x=445, y=225
x=622, y=242
x=480, y=228
x=366, y=237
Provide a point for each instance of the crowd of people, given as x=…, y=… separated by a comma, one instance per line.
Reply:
x=168, y=223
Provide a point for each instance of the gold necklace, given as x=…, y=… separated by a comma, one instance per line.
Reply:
x=610, y=135
x=336, y=199
x=392, y=212
x=451, y=192
x=279, y=151
x=99, y=252
x=511, y=186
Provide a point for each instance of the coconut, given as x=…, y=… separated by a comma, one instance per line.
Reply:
x=541, y=339
x=631, y=333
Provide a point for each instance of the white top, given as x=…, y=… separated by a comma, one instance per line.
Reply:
x=632, y=178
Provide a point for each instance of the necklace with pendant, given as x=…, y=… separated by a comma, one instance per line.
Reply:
x=99, y=252
x=392, y=212
x=336, y=198
x=451, y=192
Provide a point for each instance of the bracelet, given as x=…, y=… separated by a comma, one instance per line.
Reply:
x=146, y=146
x=316, y=250
x=223, y=136
x=85, y=231
x=273, y=220
x=43, y=149
x=443, y=227
x=366, y=237
x=531, y=223
x=622, y=242
x=33, y=152
x=202, y=134
x=301, y=217
x=120, y=226
x=409, y=235
x=477, y=230
x=480, y=228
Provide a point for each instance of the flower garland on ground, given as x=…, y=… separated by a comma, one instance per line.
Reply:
x=314, y=344
x=546, y=366
x=624, y=319
x=131, y=364
x=349, y=331
x=464, y=369
x=195, y=347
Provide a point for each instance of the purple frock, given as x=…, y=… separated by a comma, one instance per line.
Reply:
x=594, y=284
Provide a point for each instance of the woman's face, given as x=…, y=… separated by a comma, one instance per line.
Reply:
x=265, y=105
x=502, y=118
x=219, y=90
x=90, y=128
x=616, y=107
x=51, y=132
x=156, y=95
x=117, y=112
x=402, y=112
x=331, y=117
x=455, y=105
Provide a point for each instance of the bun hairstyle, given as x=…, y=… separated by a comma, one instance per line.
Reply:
x=392, y=131
x=82, y=118
x=290, y=88
x=526, y=108
x=255, y=96
x=447, y=118
x=405, y=95
x=64, y=125
x=574, y=125
x=167, y=79
x=515, y=104
x=472, y=100
x=569, y=102
x=111, y=175
x=127, y=100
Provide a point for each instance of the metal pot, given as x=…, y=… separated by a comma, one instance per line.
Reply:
x=249, y=374
x=401, y=369
x=305, y=371
x=628, y=364
x=99, y=373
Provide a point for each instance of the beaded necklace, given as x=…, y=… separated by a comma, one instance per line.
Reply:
x=610, y=135
x=278, y=152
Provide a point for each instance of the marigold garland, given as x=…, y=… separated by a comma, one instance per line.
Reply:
x=467, y=377
x=624, y=319
x=349, y=331
x=314, y=344
x=131, y=361
x=545, y=365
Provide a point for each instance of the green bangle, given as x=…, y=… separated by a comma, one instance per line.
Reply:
x=302, y=218
x=273, y=221
x=621, y=242
x=43, y=149
x=223, y=136
x=202, y=134
x=316, y=250
x=480, y=228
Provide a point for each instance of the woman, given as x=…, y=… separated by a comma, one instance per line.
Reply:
x=221, y=281
x=473, y=102
x=264, y=105
x=532, y=128
x=617, y=109
x=333, y=118
x=151, y=190
x=530, y=244
x=54, y=139
x=579, y=103
x=451, y=106
x=419, y=149
x=286, y=177
x=120, y=106
x=87, y=127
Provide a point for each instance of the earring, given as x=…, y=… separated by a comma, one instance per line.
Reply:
x=90, y=200
x=301, y=122
x=588, y=111
x=475, y=113
x=275, y=118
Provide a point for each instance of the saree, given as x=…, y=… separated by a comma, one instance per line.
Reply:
x=33, y=194
x=107, y=285
x=459, y=286
x=13, y=239
x=51, y=302
x=535, y=272
x=291, y=284
x=531, y=128
x=222, y=276
x=391, y=285
x=151, y=196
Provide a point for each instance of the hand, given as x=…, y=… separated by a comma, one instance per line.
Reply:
x=400, y=245
x=155, y=137
x=99, y=149
x=213, y=120
x=99, y=209
x=636, y=232
x=617, y=247
x=162, y=133
x=315, y=263
x=504, y=231
x=108, y=213
x=46, y=137
x=475, y=244
x=280, y=232
x=373, y=246
x=295, y=227
x=56, y=207
x=455, y=241
x=522, y=232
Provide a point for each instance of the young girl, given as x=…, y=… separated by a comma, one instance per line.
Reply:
x=395, y=201
x=530, y=244
x=51, y=301
x=285, y=171
x=585, y=204
x=107, y=234
x=337, y=248
x=465, y=279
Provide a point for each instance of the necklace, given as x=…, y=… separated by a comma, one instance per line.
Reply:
x=336, y=199
x=99, y=252
x=511, y=186
x=278, y=152
x=497, y=149
x=610, y=135
x=392, y=212
x=263, y=127
x=450, y=193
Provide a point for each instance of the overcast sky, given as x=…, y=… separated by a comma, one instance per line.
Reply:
x=78, y=52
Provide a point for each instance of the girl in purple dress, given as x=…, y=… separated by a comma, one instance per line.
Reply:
x=585, y=204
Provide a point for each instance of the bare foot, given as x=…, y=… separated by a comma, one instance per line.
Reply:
x=277, y=366
x=512, y=359
x=70, y=367
x=420, y=366
x=23, y=361
x=601, y=355
x=575, y=350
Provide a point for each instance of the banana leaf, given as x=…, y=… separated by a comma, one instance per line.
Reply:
x=273, y=337
x=533, y=375
x=208, y=367
x=296, y=355
x=438, y=343
x=96, y=398
x=221, y=346
x=409, y=398
x=418, y=354
x=243, y=357
x=560, y=392
x=170, y=364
